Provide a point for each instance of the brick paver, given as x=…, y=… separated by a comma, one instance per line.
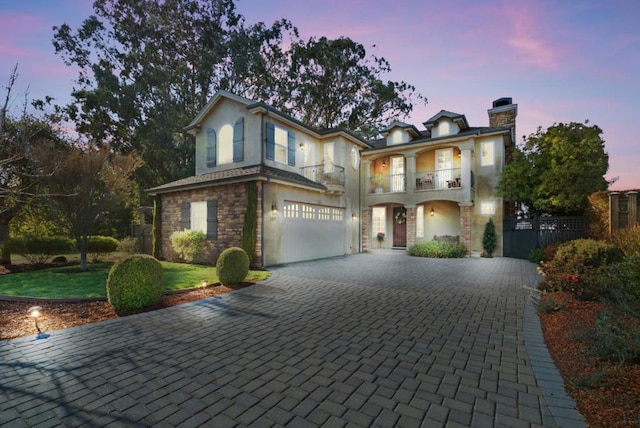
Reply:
x=364, y=340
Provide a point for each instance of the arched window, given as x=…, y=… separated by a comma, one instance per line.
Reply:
x=211, y=147
x=225, y=145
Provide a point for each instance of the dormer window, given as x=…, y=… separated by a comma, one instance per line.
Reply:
x=444, y=128
x=396, y=137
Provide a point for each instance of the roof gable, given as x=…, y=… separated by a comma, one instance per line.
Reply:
x=457, y=118
x=215, y=99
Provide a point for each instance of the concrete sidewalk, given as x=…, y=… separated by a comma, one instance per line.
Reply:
x=364, y=340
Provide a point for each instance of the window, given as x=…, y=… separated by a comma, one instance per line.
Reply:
x=397, y=174
x=238, y=140
x=281, y=144
x=420, y=221
x=487, y=154
x=488, y=208
x=396, y=137
x=201, y=215
x=225, y=146
x=378, y=220
x=328, y=157
x=211, y=147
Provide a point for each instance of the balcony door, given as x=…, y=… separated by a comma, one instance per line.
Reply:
x=397, y=174
x=444, y=167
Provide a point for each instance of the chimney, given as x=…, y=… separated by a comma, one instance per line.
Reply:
x=503, y=114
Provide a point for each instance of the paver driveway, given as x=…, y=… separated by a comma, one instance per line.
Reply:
x=369, y=339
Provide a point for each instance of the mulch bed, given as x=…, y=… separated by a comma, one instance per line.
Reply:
x=16, y=322
x=606, y=395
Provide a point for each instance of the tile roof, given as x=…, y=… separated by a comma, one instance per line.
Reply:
x=230, y=175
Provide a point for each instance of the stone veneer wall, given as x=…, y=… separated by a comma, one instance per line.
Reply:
x=465, y=226
x=366, y=229
x=232, y=206
x=411, y=227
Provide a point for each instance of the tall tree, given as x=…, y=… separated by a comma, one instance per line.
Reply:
x=147, y=68
x=556, y=170
x=335, y=83
x=20, y=173
x=91, y=183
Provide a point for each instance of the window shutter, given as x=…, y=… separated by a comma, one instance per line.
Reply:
x=211, y=147
x=292, y=148
x=185, y=216
x=271, y=141
x=212, y=219
x=238, y=140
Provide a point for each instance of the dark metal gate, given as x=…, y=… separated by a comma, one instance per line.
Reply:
x=144, y=234
x=521, y=236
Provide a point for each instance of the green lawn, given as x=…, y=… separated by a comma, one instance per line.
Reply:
x=69, y=283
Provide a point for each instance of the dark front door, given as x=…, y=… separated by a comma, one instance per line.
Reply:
x=399, y=227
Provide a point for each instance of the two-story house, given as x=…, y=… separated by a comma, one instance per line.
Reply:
x=436, y=182
x=307, y=181
x=323, y=193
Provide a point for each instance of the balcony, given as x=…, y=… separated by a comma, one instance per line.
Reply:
x=440, y=179
x=330, y=175
x=394, y=183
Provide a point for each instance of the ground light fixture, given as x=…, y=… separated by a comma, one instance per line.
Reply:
x=35, y=312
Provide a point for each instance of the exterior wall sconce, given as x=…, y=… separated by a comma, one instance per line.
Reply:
x=274, y=210
x=432, y=212
x=35, y=312
x=384, y=163
x=301, y=146
x=353, y=217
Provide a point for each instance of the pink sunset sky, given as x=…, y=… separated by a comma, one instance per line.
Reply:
x=560, y=61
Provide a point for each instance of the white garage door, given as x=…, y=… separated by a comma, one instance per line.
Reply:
x=312, y=231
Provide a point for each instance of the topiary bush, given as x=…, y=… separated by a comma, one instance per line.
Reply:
x=38, y=249
x=98, y=246
x=189, y=244
x=489, y=239
x=577, y=266
x=232, y=266
x=135, y=283
x=438, y=249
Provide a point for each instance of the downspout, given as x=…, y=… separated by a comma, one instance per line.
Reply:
x=262, y=187
x=359, y=223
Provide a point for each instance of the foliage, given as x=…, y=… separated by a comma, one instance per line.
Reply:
x=616, y=336
x=545, y=302
x=250, y=226
x=189, y=244
x=536, y=255
x=489, y=239
x=156, y=229
x=627, y=239
x=380, y=236
x=129, y=245
x=21, y=137
x=438, y=249
x=335, y=83
x=99, y=245
x=148, y=67
x=556, y=170
x=577, y=265
x=232, y=266
x=135, y=283
x=90, y=183
x=598, y=215
x=38, y=248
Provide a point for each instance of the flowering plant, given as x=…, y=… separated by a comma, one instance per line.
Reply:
x=380, y=236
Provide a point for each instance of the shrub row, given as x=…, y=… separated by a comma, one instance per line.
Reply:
x=438, y=249
x=39, y=249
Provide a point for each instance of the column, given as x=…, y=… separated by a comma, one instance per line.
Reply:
x=465, y=167
x=365, y=228
x=614, y=211
x=365, y=165
x=465, y=225
x=410, y=174
x=633, y=208
x=411, y=225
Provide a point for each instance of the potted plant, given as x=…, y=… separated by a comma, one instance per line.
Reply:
x=377, y=180
x=380, y=238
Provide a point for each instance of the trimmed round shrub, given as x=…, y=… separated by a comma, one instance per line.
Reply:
x=575, y=264
x=135, y=283
x=190, y=245
x=232, y=266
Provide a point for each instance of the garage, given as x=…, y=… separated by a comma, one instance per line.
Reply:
x=312, y=231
